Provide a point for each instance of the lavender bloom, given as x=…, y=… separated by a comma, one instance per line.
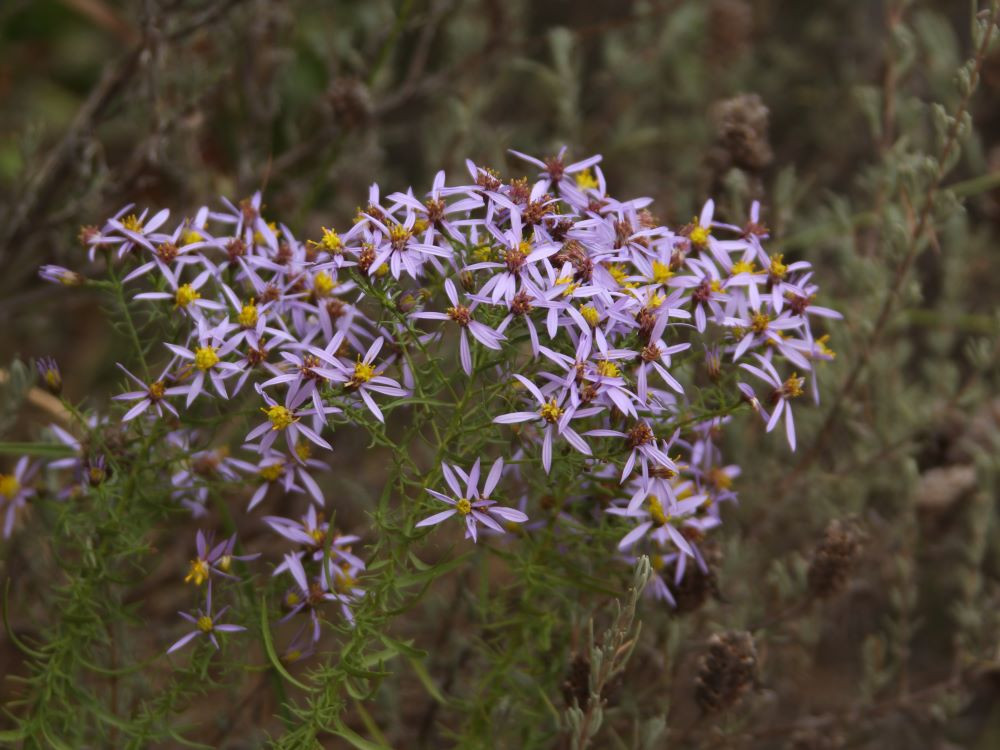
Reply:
x=554, y=417
x=48, y=371
x=472, y=505
x=207, y=358
x=462, y=315
x=362, y=376
x=287, y=418
x=151, y=395
x=14, y=492
x=662, y=523
x=206, y=624
x=784, y=391
x=61, y=275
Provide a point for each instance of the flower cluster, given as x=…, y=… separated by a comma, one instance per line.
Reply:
x=585, y=316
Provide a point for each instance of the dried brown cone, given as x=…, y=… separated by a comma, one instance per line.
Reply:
x=741, y=134
x=576, y=685
x=833, y=559
x=694, y=589
x=726, y=671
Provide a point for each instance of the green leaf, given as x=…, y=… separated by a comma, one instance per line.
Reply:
x=44, y=450
x=272, y=655
x=356, y=740
x=426, y=680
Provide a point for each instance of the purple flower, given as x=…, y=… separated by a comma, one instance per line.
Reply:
x=61, y=275
x=206, y=624
x=14, y=492
x=784, y=391
x=472, y=505
x=287, y=418
x=553, y=416
x=462, y=315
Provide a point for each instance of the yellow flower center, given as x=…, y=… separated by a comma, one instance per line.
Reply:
x=205, y=624
x=590, y=314
x=398, y=235
x=331, y=241
x=9, y=486
x=279, y=416
x=655, y=301
x=271, y=472
x=198, y=572
x=191, y=236
x=463, y=506
x=699, y=235
x=225, y=563
x=720, y=479
x=551, y=411
x=205, y=357
x=585, y=180
x=303, y=449
x=792, y=388
x=608, y=369
x=821, y=344
x=362, y=372
x=248, y=315
x=344, y=581
x=323, y=284
x=132, y=223
x=778, y=269
x=482, y=253
x=617, y=273
x=759, y=322
x=157, y=390
x=661, y=272
x=743, y=266
x=186, y=294
x=656, y=511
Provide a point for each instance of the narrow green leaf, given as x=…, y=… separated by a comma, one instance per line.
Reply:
x=272, y=655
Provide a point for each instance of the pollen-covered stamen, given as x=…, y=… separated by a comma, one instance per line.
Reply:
x=777, y=270
x=323, y=284
x=591, y=315
x=435, y=210
x=799, y=304
x=279, y=416
x=197, y=573
x=363, y=372
x=743, y=266
x=661, y=272
x=702, y=293
x=156, y=390
x=791, y=388
x=463, y=506
x=167, y=252
x=516, y=257
x=641, y=434
x=247, y=316
x=9, y=486
x=585, y=180
x=699, y=235
x=309, y=362
x=656, y=511
x=399, y=236
x=650, y=353
x=460, y=314
x=271, y=472
x=608, y=369
x=759, y=322
x=132, y=223
x=521, y=304
x=551, y=411
x=205, y=358
x=343, y=582
x=185, y=295
x=205, y=624
x=303, y=449
x=236, y=248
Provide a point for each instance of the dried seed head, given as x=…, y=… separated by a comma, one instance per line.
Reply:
x=726, y=671
x=694, y=589
x=833, y=559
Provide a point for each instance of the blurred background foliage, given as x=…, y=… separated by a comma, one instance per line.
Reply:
x=826, y=112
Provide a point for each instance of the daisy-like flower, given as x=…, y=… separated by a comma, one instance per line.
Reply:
x=206, y=358
x=14, y=492
x=48, y=371
x=150, y=395
x=661, y=524
x=186, y=297
x=287, y=418
x=61, y=275
x=473, y=506
x=309, y=595
x=313, y=533
x=781, y=395
x=462, y=316
x=554, y=169
x=206, y=624
x=275, y=469
x=201, y=568
x=642, y=444
x=553, y=416
x=360, y=377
